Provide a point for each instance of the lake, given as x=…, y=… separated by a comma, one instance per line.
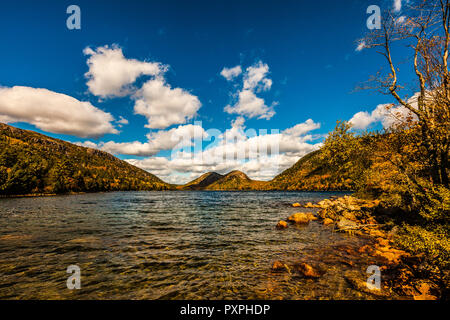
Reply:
x=171, y=245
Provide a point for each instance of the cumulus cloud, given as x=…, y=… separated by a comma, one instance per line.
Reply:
x=179, y=137
x=53, y=112
x=122, y=121
x=231, y=73
x=111, y=74
x=256, y=77
x=164, y=106
x=248, y=103
x=261, y=155
x=251, y=106
x=386, y=114
x=181, y=170
x=302, y=128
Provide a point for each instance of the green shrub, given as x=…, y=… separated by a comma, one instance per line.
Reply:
x=431, y=242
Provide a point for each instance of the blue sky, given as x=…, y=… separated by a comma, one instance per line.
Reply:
x=306, y=47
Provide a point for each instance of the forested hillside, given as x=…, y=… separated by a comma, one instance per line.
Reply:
x=201, y=182
x=31, y=163
x=310, y=174
x=236, y=180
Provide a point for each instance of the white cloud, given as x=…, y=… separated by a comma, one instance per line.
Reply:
x=261, y=156
x=248, y=104
x=386, y=114
x=122, y=121
x=362, y=120
x=302, y=128
x=87, y=144
x=53, y=112
x=255, y=77
x=111, y=74
x=251, y=106
x=164, y=106
x=182, y=170
x=181, y=136
x=231, y=73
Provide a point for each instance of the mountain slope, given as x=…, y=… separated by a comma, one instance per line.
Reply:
x=308, y=174
x=201, y=182
x=33, y=163
x=236, y=180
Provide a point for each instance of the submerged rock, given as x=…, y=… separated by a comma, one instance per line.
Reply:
x=382, y=249
x=307, y=271
x=278, y=266
x=300, y=218
x=282, y=224
x=359, y=283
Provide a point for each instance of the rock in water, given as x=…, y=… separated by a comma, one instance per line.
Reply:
x=310, y=205
x=300, y=217
x=327, y=221
x=278, y=266
x=282, y=224
x=311, y=216
x=296, y=205
x=307, y=270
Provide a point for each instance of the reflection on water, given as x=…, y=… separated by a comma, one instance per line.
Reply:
x=169, y=245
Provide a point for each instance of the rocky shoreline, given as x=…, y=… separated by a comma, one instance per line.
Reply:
x=356, y=217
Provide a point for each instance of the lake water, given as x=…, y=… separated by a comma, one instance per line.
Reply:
x=170, y=245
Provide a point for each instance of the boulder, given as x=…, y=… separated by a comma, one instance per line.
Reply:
x=327, y=221
x=300, y=218
x=278, y=266
x=353, y=207
x=282, y=224
x=296, y=205
x=349, y=215
x=345, y=223
x=310, y=205
x=425, y=290
x=322, y=214
x=311, y=216
x=382, y=249
x=307, y=271
x=324, y=204
x=359, y=283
